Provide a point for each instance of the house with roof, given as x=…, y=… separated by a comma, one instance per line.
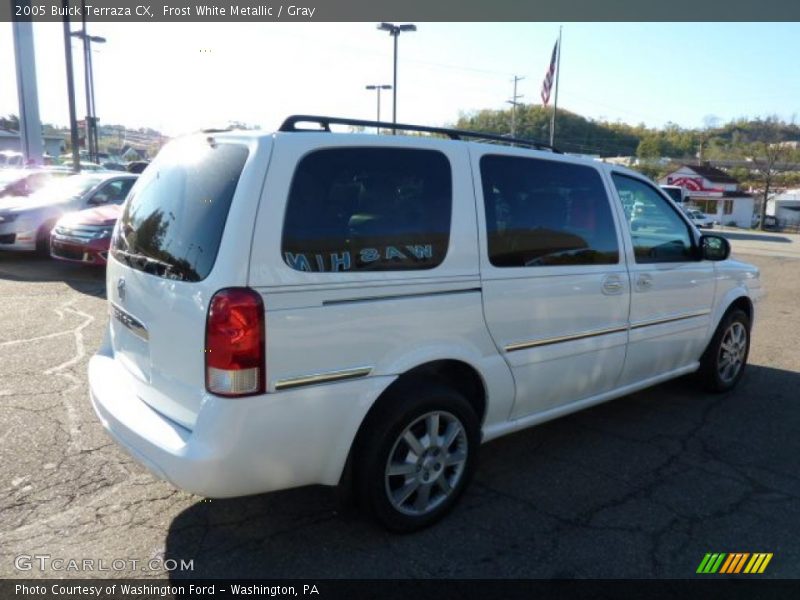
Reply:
x=715, y=193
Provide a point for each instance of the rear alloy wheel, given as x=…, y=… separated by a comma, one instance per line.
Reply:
x=723, y=362
x=426, y=464
x=417, y=456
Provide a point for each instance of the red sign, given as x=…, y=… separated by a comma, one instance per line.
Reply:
x=694, y=184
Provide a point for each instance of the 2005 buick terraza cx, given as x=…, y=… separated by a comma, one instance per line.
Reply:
x=290, y=307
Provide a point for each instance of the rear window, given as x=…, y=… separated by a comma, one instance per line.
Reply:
x=173, y=221
x=674, y=193
x=368, y=209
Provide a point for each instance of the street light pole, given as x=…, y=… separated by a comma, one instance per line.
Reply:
x=395, y=31
x=73, y=127
x=88, y=76
x=93, y=129
x=378, y=89
x=86, y=82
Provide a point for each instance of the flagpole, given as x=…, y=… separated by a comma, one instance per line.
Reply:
x=555, y=99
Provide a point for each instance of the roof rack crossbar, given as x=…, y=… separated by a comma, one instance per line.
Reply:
x=291, y=125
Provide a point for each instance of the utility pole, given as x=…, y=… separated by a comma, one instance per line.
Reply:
x=513, y=102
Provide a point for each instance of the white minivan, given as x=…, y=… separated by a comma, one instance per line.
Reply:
x=309, y=307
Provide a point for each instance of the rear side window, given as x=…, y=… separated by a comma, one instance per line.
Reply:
x=546, y=213
x=173, y=221
x=368, y=209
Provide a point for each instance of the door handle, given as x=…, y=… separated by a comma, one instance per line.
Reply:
x=612, y=285
x=644, y=282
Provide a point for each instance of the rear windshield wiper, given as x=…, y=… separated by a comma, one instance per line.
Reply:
x=150, y=265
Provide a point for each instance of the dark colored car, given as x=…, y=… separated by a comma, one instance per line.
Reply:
x=137, y=166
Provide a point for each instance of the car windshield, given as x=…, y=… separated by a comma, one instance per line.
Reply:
x=67, y=188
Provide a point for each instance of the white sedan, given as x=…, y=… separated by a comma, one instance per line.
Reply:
x=700, y=220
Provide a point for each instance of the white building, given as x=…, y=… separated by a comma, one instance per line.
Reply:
x=53, y=144
x=785, y=207
x=715, y=193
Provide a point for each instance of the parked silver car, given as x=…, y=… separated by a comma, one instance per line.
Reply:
x=26, y=222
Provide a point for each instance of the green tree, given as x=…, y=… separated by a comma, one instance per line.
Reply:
x=651, y=146
x=10, y=123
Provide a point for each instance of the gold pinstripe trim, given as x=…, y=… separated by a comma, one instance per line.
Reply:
x=598, y=332
x=640, y=324
x=327, y=377
x=563, y=338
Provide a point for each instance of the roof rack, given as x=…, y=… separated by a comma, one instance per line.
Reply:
x=291, y=124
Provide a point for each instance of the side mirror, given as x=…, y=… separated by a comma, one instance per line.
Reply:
x=98, y=200
x=714, y=247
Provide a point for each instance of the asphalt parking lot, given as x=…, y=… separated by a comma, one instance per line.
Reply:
x=639, y=487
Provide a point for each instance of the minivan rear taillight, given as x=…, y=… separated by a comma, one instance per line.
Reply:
x=235, y=341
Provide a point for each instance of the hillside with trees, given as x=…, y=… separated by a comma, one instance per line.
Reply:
x=575, y=133
x=762, y=154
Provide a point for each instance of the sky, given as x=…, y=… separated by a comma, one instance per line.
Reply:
x=181, y=77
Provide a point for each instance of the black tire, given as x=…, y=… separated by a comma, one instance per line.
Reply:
x=43, y=239
x=712, y=373
x=411, y=407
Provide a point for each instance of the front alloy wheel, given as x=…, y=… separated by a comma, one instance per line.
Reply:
x=732, y=352
x=722, y=364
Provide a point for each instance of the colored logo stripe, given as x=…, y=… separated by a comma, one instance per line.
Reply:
x=733, y=563
x=711, y=563
x=758, y=563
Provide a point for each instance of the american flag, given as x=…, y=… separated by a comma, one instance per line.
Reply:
x=547, y=84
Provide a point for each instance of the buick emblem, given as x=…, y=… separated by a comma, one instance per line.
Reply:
x=121, y=288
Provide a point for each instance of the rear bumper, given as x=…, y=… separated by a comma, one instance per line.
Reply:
x=238, y=446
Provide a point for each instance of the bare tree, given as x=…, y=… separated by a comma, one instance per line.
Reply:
x=763, y=144
x=770, y=159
